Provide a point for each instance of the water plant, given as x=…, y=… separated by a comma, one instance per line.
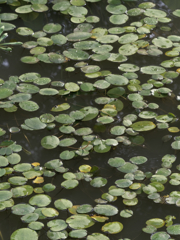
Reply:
x=89, y=130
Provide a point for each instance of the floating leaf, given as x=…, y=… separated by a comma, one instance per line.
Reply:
x=106, y=210
x=112, y=227
x=80, y=221
x=50, y=142
x=20, y=233
x=143, y=126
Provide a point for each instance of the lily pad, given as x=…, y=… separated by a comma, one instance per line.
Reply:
x=19, y=234
x=80, y=221
x=112, y=227
x=143, y=126
x=106, y=210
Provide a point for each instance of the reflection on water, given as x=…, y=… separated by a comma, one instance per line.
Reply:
x=153, y=147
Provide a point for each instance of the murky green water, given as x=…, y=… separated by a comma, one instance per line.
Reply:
x=154, y=148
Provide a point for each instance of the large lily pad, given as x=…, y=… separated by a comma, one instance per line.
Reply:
x=106, y=210
x=112, y=227
x=152, y=70
x=22, y=233
x=80, y=221
x=143, y=126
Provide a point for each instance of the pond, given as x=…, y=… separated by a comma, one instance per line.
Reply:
x=89, y=107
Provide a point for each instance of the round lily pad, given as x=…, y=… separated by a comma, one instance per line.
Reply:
x=80, y=221
x=143, y=126
x=98, y=182
x=40, y=200
x=174, y=229
x=22, y=209
x=160, y=235
x=112, y=227
x=152, y=70
x=5, y=195
x=126, y=213
x=138, y=160
x=78, y=36
x=24, y=9
x=118, y=19
x=24, y=31
x=81, y=233
x=20, y=233
x=52, y=28
x=70, y=184
x=76, y=54
x=63, y=204
x=50, y=142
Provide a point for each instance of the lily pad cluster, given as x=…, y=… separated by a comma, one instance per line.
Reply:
x=76, y=133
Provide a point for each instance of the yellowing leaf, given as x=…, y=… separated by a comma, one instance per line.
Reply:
x=99, y=218
x=173, y=129
x=39, y=180
x=35, y=164
x=110, y=106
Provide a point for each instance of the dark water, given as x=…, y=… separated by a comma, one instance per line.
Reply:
x=154, y=149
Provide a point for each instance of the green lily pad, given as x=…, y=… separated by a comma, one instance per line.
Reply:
x=35, y=123
x=80, y=221
x=24, y=31
x=84, y=208
x=63, y=204
x=29, y=59
x=22, y=191
x=70, y=184
x=52, y=28
x=174, y=229
x=97, y=236
x=75, y=54
x=57, y=225
x=39, y=7
x=72, y=87
x=112, y=227
x=118, y=19
x=123, y=183
x=36, y=225
x=5, y=195
x=30, y=217
x=116, y=9
x=128, y=49
x=7, y=26
x=78, y=36
x=126, y=213
x=50, y=142
x=138, y=160
x=61, y=6
x=176, y=13
x=8, y=16
x=40, y=200
x=143, y=126
x=152, y=70
x=24, y=9
x=106, y=210
x=128, y=168
x=162, y=42
x=81, y=233
x=57, y=235
x=176, y=145
x=116, y=162
x=20, y=233
x=22, y=209
x=50, y=212
x=17, y=180
x=29, y=106
x=98, y=182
